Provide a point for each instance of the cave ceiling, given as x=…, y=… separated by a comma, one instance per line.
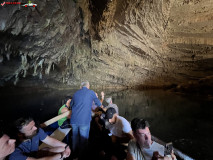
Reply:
x=122, y=43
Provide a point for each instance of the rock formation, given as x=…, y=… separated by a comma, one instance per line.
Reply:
x=122, y=43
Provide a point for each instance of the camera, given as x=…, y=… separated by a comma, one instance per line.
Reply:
x=168, y=148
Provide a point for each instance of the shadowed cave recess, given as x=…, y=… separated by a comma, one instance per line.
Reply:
x=110, y=43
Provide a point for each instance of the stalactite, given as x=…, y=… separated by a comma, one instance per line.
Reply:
x=1, y=58
x=40, y=75
x=36, y=65
x=8, y=56
x=35, y=69
x=47, y=71
x=41, y=63
x=16, y=79
x=23, y=60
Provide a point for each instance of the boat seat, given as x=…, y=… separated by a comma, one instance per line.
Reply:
x=58, y=134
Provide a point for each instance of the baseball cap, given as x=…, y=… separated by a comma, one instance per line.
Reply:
x=109, y=113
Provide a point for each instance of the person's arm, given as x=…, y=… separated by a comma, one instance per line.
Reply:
x=54, y=142
x=58, y=145
x=127, y=132
x=170, y=157
x=96, y=100
x=129, y=156
x=54, y=157
x=157, y=156
x=102, y=97
x=18, y=154
x=130, y=151
x=65, y=109
x=127, y=137
x=104, y=109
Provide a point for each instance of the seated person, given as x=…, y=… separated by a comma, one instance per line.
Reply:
x=120, y=128
x=29, y=137
x=7, y=145
x=142, y=147
x=110, y=104
x=64, y=122
x=121, y=132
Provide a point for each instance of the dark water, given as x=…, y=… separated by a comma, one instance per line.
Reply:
x=187, y=121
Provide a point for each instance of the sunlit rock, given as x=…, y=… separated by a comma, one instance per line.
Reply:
x=118, y=43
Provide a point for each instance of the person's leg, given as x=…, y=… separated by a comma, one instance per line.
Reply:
x=75, y=140
x=84, y=136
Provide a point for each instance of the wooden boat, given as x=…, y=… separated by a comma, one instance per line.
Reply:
x=61, y=133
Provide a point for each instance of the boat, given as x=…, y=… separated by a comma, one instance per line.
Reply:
x=60, y=134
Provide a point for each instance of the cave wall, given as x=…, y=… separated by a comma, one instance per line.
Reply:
x=157, y=42
x=122, y=43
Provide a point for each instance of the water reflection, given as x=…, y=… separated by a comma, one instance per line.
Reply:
x=185, y=120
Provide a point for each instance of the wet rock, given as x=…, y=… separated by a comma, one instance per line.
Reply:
x=122, y=43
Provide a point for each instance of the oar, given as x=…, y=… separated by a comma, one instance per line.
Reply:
x=54, y=119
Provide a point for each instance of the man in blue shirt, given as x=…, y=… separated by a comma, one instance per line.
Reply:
x=29, y=136
x=81, y=106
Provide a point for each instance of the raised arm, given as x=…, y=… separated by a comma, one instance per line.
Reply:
x=102, y=97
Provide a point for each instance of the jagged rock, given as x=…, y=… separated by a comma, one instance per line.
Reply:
x=123, y=43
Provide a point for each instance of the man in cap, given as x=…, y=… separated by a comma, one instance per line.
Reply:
x=120, y=130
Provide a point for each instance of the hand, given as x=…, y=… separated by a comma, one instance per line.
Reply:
x=114, y=139
x=98, y=113
x=67, y=152
x=173, y=156
x=157, y=156
x=170, y=157
x=102, y=94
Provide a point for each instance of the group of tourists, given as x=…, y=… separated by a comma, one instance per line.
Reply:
x=97, y=132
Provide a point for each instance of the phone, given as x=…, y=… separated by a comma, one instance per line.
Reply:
x=168, y=148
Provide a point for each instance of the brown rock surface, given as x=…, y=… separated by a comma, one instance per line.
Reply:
x=122, y=43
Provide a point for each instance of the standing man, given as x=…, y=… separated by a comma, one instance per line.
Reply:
x=81, y=106
x=142, y=147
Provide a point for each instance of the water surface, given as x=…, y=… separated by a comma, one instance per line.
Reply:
x=187, y=121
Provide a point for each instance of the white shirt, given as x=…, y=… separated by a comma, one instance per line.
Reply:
x=120, y=127
x=137, y=152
